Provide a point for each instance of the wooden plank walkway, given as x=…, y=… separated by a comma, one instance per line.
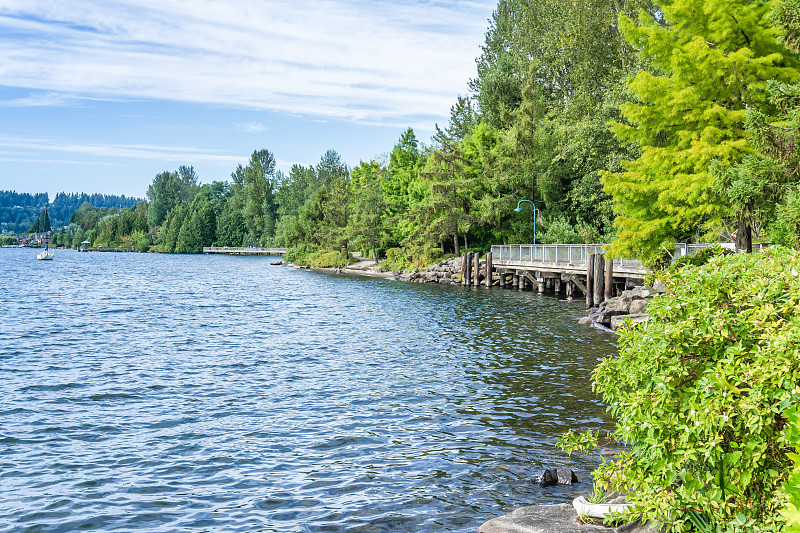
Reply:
x=249, y=250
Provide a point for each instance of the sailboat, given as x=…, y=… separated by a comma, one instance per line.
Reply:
x=45, y=254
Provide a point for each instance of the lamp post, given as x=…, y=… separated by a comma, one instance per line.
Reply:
x=519, y=210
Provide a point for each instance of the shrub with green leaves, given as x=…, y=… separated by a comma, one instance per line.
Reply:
x=792, y=510
x=701, y=394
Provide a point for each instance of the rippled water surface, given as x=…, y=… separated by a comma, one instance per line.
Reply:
x=144, y=392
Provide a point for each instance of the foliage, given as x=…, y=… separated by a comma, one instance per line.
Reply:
x=369, y=206
x=571, y=50
x=707, y=68
x=18, y=211
x=65, y=204
x=42, y=223
x=700, y=393
x=792, y=510
x=319, y=258
x=8, y=239
x=400, y=259
x=168, y=190
x=259, y=186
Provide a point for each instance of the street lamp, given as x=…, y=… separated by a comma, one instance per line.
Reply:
x=519, y=210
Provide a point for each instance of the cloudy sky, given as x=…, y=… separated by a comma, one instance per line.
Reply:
x=101, y=95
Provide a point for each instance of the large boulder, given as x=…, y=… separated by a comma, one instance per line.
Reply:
x=637, y=307
x=560, y=518
x=617, y=321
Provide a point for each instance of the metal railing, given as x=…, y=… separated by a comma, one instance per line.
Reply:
x=248, y=250
x=576, y=255
x=546, y=253
x=684, y=249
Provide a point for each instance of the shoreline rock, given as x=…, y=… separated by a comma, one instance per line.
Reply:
x=559, y=518
x=631, y=305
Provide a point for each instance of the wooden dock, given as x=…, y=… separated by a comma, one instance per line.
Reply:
x=249, y=250
x=562, y=269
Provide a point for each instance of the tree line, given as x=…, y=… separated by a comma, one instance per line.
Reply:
x=23, y=212
x=634, y=122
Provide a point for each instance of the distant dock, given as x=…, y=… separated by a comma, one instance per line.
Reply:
x=250, y=250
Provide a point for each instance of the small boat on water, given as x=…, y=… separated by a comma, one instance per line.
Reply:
x=45, y=254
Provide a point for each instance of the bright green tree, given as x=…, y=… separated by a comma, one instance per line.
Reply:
x=710, y=62
x=403, y=187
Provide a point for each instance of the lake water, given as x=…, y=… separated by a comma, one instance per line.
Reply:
x=145, y=392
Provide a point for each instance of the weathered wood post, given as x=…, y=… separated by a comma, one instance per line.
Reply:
x=599, y=278
x=569, y=290
x=589, y=281
x=609, y=279
x=541, y=283
x=515, y=280
x=464, y=268
x=502, y=279
x=489, y=270
x=476, y=278
x=557, y=286
x=468, y=269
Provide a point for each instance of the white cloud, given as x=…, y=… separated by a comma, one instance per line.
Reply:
x=251, y=127
x=372, y=61
x=134, y=151
x=41, y=100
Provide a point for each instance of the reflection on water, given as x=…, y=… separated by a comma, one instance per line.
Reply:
x=207, y=393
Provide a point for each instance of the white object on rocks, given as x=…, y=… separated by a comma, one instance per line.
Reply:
x=597, y=510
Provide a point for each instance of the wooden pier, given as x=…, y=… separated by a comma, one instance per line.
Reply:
x=249, y=250
x=562, y=269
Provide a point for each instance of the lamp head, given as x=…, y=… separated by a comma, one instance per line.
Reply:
x=517, y=209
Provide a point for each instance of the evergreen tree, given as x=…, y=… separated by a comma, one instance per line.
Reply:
x=369, y=206
x=710, y=62
x=259, y=194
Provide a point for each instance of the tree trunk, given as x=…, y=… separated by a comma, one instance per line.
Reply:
x=456, y=243
x=744, y=237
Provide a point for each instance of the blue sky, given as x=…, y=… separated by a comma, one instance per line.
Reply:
x=100, y=96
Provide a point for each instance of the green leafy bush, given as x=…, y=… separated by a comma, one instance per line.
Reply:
x=317, y=258
x=701, y=393
x=327, y=259
x=792, y=510
x=410, y=257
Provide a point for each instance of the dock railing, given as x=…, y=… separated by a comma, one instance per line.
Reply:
x=243, y=250
x=565, y=254
x=575, y=255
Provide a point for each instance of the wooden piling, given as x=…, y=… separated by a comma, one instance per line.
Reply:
x=599, y=279
x=541, y=286
x=557, y=286
x=609, y=279
x=476, y=278
x=502, y=279
x=569, y=290
x=515, y=280
x=589, y=281
x=489, y=270
x=468, y=269
x=464, y=268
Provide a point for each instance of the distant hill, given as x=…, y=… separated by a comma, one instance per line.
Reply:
x=19, y=210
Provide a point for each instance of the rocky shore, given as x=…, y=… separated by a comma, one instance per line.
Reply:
x=445, y=272
x=630, y=305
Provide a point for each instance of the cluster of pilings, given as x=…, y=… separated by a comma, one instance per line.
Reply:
x=597, y=283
